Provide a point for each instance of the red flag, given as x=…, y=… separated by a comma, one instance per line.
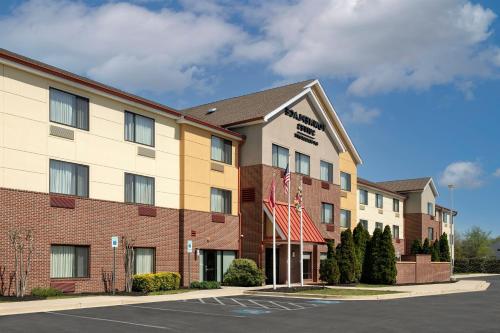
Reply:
x=272, y=194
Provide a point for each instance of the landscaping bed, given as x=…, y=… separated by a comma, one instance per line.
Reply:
x=319, y=290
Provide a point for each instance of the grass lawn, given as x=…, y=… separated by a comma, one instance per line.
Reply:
x=366, y=285
x=170, y=292
x=346, y=292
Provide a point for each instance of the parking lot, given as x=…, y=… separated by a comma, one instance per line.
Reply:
x=470, y=312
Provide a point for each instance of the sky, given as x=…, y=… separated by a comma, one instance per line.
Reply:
x=416, y=83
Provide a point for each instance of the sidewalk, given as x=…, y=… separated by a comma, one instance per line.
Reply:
x=10, y=308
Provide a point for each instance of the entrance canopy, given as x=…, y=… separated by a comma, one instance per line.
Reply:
x=311, y=233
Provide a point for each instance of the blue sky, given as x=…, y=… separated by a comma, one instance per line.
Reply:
x=416, y=83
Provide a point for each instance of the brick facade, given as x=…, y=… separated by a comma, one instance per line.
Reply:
x=420, y=269
x=93, y=222
x=416, y=227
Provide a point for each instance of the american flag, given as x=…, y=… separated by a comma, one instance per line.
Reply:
x=286, y=179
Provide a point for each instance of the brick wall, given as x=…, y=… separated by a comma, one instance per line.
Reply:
x=420, y=269
x=416, y=225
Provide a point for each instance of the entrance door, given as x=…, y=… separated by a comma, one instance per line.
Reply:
x=210, y=265
x=307, y=266
x=269, y=265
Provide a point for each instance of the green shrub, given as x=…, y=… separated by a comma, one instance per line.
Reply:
x=156, y=282
x=329, y=268
x=426, y=247
x=371, y=272
x=416, y=247
x=243, y=273
x=435, y=254
x=46, y=292
x=477, y=265
x=444, y=248
x=387, y=259
x=361, y=237
x=347, y=258
x=205, y=285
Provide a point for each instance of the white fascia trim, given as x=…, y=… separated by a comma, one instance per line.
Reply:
x=308, y=91
x=270, y=216
x=433, y=187
x=183, y=120
x=86, y=88
x=250, y=123
x=337, y=119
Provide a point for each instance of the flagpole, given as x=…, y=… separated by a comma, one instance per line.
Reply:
x=289, y=242
x=274, y=235
x=301, y=240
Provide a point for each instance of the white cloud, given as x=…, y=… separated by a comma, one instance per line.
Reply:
x=464, y=174
x=359, y=114
x=122, y=44
x=497, y=173
x=382, y=45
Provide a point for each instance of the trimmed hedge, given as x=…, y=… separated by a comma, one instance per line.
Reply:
x=46, y=292
x=477, y=265
x=243, y=273
x=205, y=285
x=147, y=283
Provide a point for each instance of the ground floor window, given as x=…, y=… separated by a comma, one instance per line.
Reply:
x=144, y=260
x=395, y=231
x=430, y=233
x=68, y=261
x=364, y=223
x=214, y=264
x=307, y=265
x=379, y=225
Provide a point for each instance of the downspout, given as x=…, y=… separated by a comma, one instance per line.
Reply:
x=240, y=236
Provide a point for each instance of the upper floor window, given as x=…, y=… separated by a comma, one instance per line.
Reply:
x=144, y=262
x=139, y=189
x=364, y=223
x=379, y=225
x=326, y=171
x=302, y=163
x=445, y=217
x=326, y=213
x=430, y=233
x=69, y=109
x=430, y=208
x=69, y=178
x=395, y=205
x=345, y=181
x=222, y=150
x=395, y=231
x=68, y=261
x=363, y=197
x=220, y=201
x=379, y=200
x=345, y=218
x=280, y=157
x=139, y=129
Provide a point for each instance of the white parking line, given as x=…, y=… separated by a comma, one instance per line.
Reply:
x=218, y=300
x=201, y=300
x=184, y=311
x=299, y=307
x=281, y=306
x=110, y=320
x=252, y=301
x=239, y=303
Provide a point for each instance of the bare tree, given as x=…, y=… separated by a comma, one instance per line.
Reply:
x=22, y=244
x=128, y=256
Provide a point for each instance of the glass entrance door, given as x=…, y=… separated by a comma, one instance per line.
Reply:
x=214, y=264
x=269, y=265
x=210, y=264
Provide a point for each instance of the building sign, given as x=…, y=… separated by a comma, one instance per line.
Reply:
x=306, y=128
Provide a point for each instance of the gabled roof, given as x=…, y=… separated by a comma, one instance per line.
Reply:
x=264, y=105
x=377, y=186
x=409, y=185
x=56, y=73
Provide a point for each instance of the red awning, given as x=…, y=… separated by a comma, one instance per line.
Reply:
x=310, y=231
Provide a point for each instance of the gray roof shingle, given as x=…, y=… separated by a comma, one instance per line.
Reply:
x=406, y=185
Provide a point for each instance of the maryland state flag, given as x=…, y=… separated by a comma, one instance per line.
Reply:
x=298, y=198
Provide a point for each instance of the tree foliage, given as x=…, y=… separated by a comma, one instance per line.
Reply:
x=361, y=237
x=329, y=268
x=416, y=247
x=474, y=243
x=370, y=271
x=444, y=248
x=435, y=253
x=387, y=258
x=426, y=247
x=346, y=255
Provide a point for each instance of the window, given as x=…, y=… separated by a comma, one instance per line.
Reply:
x=379, y=200
x=326, y=171
x=222, y=150
x=364, y=223
x=430, y=233
x=69, y=178
x=220, y=201
x=67, y=261
x=379, y=225
x=144, y=261
x=345, y=218
x=302, y=164
x=363, y=197
x=395, y=205
x=139, y=189
x=445, y=217
x=430, y=208
x=139, y=129
x=69, y=109
x=345, y=181
x=280, y=157
x=326, y=213
x=307, y=265
x=395, y=231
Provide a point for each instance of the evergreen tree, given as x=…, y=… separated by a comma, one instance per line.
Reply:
x=387, y=259
x=416, y=247
x=426, y=247
x=435, y=255
x=347, y=257
x=361, y=237
x=329, y=269
x=444, y=248
x=370, y=272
